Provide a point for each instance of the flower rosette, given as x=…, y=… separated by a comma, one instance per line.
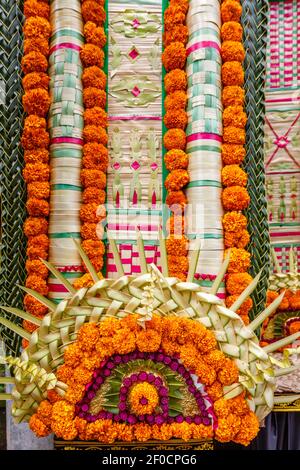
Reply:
x=35, y=143
x=235, y=197
x=175, y=121
x=159, y=385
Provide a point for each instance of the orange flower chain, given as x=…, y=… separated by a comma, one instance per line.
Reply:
x=95, y=152
x=176, y=160
x=235, y=197
x=35, y=142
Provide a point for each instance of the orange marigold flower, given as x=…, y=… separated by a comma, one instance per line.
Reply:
x=177, y=245
x=176, y=100
x=92, y=55
x=38, y=427
x=229, y=373
x=222, y=408
x=227, y=427
x=124, y=341
x=182, y=4
x=88, y=213
x=28, y=326
x=95, y=134
x=231, y=31
x=176, y=225
x=294, y=302
x=173, y=16
x=33, y=306
x=174, y=56
x=233, y=96
x=148, y=340
x=35, y=8
x=92, y=11
x=179, y=33
x=175, y=273
x=175, y=118
x=94, y=77
x=234, y=221
x=206, y=342
x=240, y=260
x=36, y=80
x=65, y=374
x=93, y=194
x=36, y=101
x=36, y=267
x=176, y=159
x=34, y=137
x=89, y=231
x=234, y=116
x=85, y=281
x=231, y=10
x=35, y=226
x=44, y=412
x=176, y=200
x=245, y=319
x=248, y=430
x=237, y=283
x=39, y=240
x=215, y=391
x=40, y=45
x=176, y=180
x=238, y=239
x=73, y=355
x=34, y=62
x=233, y=175
x=94, y=97
x=96, y=116
x=87, y=336
x=93, y=247
x=232, y=73
x=95, y=35
x=93, y=178
x=235, y=198
x=233, y=154
x=36, y=156
x=175, y=139
x=37, y=27
x=81, y=375
x=35, y=122
x=232, y=50
x=176, y=80
x=39, y=190
x=271, y=296
x=137, y=393
x=37, y=207
x=35, y=252
x=234, y=135
x=53, y=396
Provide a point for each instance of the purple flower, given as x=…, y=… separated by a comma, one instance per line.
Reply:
x=126, y=358
x=152, y=356
x=174, y=365
x=151, y=377
x=118, y=359
x=206, y=421
x=110, y=365
x=131, y=419
x=122, y=406
x=160, y=357
x=171, y=419
x=85, y=407
x=81, y=414
x=150, y=419
x=89, y=418
x=123, y=390
x=95, y=387
x=144, y=401
x=181, y=370
x=134, y=378
x=140, y=355
x=188, y=419
x=141, y=418
x=167, y=360
x=127, y=382
x=179, y=419
x=123, y=416
x=117, y=418
x=109, y=415
x=157, y=381
x=159, y=419
x=99, y=380
x=163, y=392
x=164, y=401
x=189, y=381
x=95, y=374
x=106, y=372
x=91, y=395
x=191, y=389
x=89, y=385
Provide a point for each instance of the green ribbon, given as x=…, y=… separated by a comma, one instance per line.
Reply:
x=201, y=183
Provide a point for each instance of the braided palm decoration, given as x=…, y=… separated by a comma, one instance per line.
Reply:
x=12, y=270
x=255, y=22
x=151, y=292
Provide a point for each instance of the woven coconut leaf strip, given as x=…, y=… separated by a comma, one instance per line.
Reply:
x=255, y=21
x=12, y=271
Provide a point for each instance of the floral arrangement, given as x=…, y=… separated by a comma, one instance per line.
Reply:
x=35, y=142
x=235, y=197
x=95, y=152
x=126, y=382
x=175, y=119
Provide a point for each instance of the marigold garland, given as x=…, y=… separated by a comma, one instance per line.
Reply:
x=235, y=197
x=35, y=142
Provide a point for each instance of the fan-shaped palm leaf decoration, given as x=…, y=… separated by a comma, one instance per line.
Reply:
x=145, y=356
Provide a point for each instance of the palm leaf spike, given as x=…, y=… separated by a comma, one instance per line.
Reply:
x=281, y=343
x=116, y=255
x=275, y=261
x=163, y=253
x=286, y=371
x=259, y=401
x=293, y=260
x=86, y=261
x=59, y=276
x=24, y=315
x=15, y=328
x=43, y=300
x=217, y=282
x=246, y=293
x=194, y=261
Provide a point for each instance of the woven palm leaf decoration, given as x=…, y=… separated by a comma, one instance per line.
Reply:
x=110, y=381
x=13, y=196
